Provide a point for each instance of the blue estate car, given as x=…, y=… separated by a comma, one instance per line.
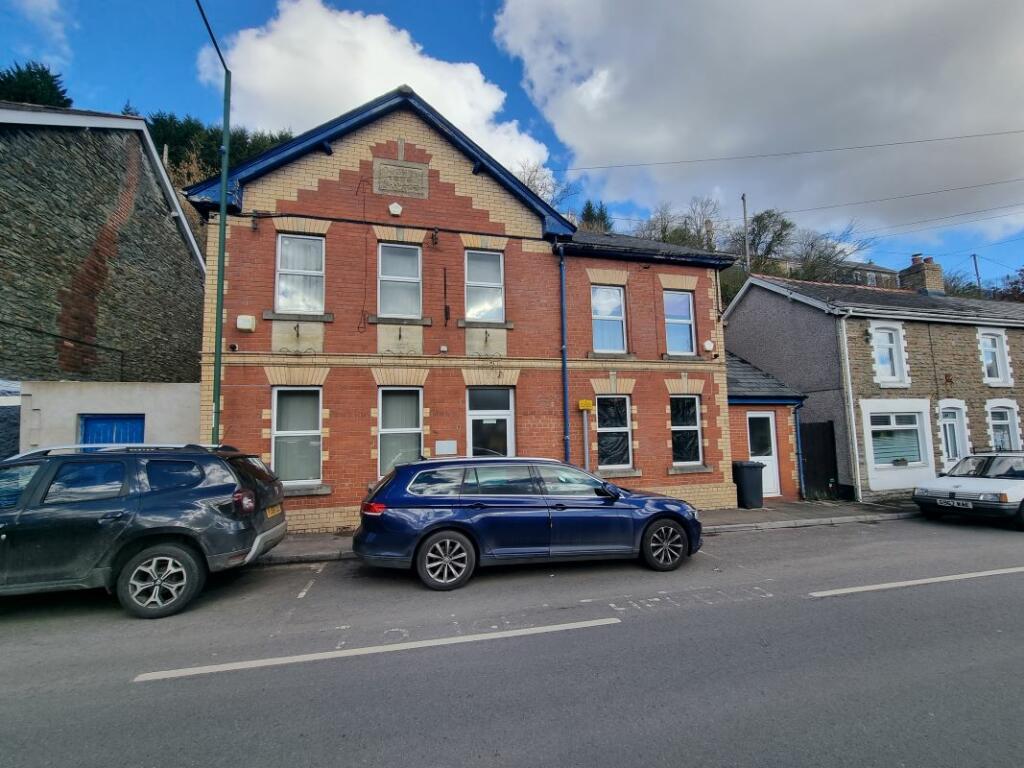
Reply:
x=446, y=516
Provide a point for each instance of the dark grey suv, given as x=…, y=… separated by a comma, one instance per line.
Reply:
x=145, y=522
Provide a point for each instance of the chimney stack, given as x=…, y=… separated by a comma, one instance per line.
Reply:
x=924, y=276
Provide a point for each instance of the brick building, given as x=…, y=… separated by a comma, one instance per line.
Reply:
x=763, y=424
x=101, y=279
x=910, y=380
x=391, y=291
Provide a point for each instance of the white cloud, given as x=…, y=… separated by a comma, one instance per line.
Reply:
x=311, y=63
x=649, y=81
x=52, y=20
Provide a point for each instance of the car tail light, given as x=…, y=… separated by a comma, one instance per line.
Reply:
x=245, y=502
x=374, y=508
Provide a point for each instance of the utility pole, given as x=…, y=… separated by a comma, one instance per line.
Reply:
x=977, y=274
x=222, y=223
x=746, y=233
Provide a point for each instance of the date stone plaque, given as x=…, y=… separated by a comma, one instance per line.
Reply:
x=400, y=178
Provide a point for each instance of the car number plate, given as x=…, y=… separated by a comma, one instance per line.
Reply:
x=274, y=510
x=958, y=503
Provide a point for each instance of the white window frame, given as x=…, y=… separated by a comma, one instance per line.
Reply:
x=871, y=279
x=960, y=425
x=1002, y=350
x=509, y=416
x=403, y=430
x=1013, y=410
x=382, y=278
x=692, y=322
x=892, y=426
x=274, y=433
x=480, y=284
x=698, y=429
x=628, y=429
x=304, y=272
x=899, y=352
x=622, y=293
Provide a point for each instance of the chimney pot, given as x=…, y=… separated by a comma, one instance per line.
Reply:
x=929, y=260
x=915, y=258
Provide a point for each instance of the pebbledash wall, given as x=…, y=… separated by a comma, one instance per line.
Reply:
x=96, y=281
x=943, y=364
x=785, y=436
x=349, y=353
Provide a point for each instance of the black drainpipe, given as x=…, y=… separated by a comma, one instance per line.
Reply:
x=565, y=354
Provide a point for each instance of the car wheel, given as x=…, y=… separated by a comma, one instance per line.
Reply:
x=664, y=545
x=446, y=560
x=159, y=581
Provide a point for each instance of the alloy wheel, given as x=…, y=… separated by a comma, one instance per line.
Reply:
x=157, y=582
x=446, y=561
x=666, y=545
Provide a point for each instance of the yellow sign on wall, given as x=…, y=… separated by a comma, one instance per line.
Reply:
x=586, y=405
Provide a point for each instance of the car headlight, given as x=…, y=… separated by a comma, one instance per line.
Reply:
x=922, y=492
x=1000, y=497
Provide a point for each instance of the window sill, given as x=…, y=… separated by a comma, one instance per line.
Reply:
x=378, y=320
x=671, y=356
x=894, y=384
x=298, y=317
x=611, y=356
x=307, y=490
x=689, y=469
x=484, y=324
x=608, y=474
x=1000, y=384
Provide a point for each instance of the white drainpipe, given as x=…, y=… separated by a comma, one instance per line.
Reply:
x=852, y=423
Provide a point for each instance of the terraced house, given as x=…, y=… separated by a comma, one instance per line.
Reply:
x=908, y=381
x=392, y=291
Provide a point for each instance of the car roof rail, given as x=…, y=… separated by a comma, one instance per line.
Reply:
x=38, y=453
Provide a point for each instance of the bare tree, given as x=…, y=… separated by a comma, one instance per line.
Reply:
x=542, y=182
x=659, y=225
x=695, y=226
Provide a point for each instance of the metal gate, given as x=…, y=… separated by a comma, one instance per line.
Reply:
x=818, y=446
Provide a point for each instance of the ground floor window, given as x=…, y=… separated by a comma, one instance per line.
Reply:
x=614, y=432
x=1004, y=427
x=296, y=446
x=685, y=425
x=896, y=439
x=491, y=421
x=400, y=427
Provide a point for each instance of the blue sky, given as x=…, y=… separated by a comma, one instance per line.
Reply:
x=587, y=94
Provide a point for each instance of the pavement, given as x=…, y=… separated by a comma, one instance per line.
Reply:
x=316, y=548
x=745, y=656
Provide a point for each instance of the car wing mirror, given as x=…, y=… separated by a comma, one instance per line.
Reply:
x=608, y=490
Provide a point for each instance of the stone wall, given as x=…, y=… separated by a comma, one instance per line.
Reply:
x=96, y=282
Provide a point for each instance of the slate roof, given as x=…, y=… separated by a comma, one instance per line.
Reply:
x=205, y=194
x=888, y=300
x=747, y=380
x=585, y=243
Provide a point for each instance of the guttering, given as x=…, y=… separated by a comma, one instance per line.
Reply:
x=851, y=416
x=766, y=400
x=565, y=353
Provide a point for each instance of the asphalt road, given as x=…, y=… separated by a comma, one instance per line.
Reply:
x=727, y=662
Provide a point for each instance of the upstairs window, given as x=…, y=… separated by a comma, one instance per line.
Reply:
x=608, y=314
x=300, y=274
x=614, y=433
x=485, y=287
x=887, y=349
x=679, y=333
x=994, y=360
x=399, y=281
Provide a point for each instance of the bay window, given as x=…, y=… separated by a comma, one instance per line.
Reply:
x=300, y=274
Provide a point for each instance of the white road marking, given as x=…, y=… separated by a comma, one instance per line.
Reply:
x=278, y=661
x=317, y=570
x=916, y=582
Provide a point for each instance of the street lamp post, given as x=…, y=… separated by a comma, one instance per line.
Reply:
x=222, y=222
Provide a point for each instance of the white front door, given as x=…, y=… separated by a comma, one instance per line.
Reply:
x=764, y=448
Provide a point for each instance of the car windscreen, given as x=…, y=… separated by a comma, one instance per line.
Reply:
x=972, y=466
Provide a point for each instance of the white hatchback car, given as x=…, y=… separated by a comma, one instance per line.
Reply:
x=984, y=485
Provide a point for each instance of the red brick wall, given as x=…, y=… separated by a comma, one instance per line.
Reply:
x=785, y=437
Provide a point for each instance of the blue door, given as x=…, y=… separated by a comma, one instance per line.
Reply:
x=112, y=428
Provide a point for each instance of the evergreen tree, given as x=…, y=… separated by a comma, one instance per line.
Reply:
x=33, y=83
x=595, y=218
